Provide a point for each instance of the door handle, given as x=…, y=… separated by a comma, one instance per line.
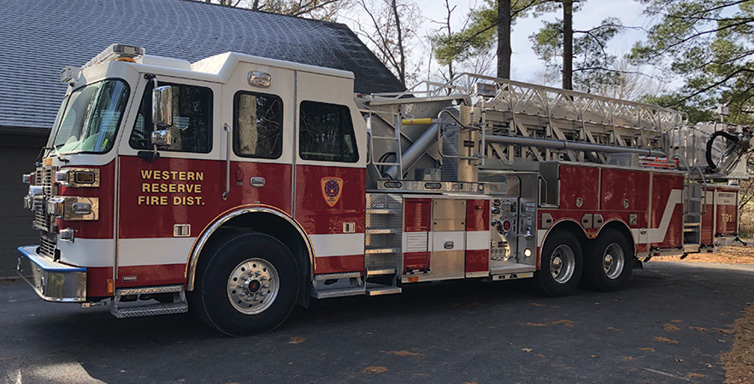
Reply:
x=257, y=182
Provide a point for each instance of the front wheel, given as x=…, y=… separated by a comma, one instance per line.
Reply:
x=560, y=265
x=607, y=262
x=247, y=284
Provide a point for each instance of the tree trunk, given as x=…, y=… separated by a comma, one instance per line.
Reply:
x=504, y=39
x=567, y=44
x=450, y=34
x=402, y=64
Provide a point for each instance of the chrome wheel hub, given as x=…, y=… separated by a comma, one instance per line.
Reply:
x=253, y=286
x=613, y=261
x=562, y=264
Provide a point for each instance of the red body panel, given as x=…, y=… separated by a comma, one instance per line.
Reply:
x=477, y=219
x=337, y=264
x=102, y=228
x=312, y=210
x=708, y=229
x=97, y=277
x=151, y=205
x=620, y=186
x=579, y=182
x=477, y=260
x=477, y=215
x=663, y=186
x=417, y=216
x=318, y=217
x=415, y=260
x=726, y=218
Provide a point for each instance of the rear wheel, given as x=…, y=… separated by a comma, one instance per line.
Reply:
x=607, y=262
x=560, y=265
x=246, y=284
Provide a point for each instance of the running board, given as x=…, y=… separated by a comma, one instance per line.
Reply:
x=341, y=292
x=379, y=289
x=179, y=304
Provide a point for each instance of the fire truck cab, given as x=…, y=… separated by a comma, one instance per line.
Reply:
x=239, y=186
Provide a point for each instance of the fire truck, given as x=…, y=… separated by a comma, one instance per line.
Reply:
x=239, y=186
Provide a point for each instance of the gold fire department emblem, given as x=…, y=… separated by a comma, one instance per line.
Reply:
x=331, y=189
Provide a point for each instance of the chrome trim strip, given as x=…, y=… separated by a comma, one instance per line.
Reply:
x=202, y=241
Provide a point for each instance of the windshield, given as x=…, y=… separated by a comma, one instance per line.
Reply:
x=88, y=118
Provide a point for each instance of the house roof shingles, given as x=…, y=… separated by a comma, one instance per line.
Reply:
x=40, y=37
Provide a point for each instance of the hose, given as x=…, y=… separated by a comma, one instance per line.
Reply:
x=731, y=137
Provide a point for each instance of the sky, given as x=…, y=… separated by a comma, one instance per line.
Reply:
x=525, y=64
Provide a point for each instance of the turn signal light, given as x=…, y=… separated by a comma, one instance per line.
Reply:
x=84, y=177
x=78, y=177
x=28, y=178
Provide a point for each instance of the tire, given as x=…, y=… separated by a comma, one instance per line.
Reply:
x=560, y=265
x=247, y=283
x=608, y=262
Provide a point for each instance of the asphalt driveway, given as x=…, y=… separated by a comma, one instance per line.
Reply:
x=671, y=325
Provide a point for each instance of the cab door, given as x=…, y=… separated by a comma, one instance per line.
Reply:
x=164, y=202
x=330, y=173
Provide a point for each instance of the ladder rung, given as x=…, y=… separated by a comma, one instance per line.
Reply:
x=379, y=271
x=381, y=211
x=381, y=250
x=386, y=290
x=385, y=138
x=380, y=231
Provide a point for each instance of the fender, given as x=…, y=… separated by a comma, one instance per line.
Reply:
x=622, y=224
x=226, y=216
x=545, y=232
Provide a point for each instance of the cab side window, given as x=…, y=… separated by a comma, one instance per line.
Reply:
x=258, y=125
x=192, y=120
x=326, y=133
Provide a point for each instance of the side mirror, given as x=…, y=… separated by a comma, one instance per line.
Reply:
x=162, y=138
x=162, y=107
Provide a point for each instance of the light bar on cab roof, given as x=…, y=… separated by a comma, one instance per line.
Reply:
x=116, y=52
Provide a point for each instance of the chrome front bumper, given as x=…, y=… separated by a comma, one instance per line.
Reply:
x=51, y=280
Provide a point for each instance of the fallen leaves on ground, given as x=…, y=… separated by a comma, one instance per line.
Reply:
x=567, y=323
x=403, y=353
x=374, y=369
x=647, y=349
x=629, y=358
x=536, y=325
x=676, y=321
x=671, y=328
x=701, y=329
x=537, y=304
x=664, y=340
x=296, y=340
x=733, y=254
x=526, y=349
x=739, y=362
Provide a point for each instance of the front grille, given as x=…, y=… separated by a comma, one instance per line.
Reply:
x=46, y=247
x=42, y=219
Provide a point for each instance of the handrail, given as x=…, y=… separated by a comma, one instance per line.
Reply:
x=439, y=137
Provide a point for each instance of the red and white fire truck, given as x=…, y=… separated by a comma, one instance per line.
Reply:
x=240, y=186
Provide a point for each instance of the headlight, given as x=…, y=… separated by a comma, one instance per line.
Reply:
x=78, y=177
x=74, y=208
